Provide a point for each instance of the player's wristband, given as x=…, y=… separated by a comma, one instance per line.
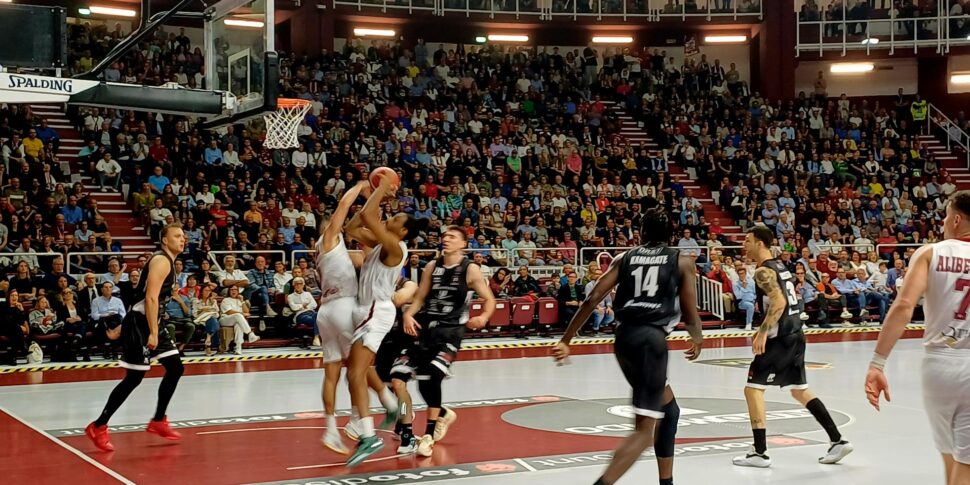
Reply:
x=877, y=362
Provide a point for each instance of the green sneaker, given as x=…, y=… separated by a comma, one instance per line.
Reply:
x=393, y=415
x=366, y=447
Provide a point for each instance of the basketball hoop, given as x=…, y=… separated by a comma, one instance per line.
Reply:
x=281, y=124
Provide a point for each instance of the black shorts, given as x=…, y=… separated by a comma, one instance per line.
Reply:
x=437, y=347
x=782, y=364
x=394, y=342
x=135, y=353
x=641, y=351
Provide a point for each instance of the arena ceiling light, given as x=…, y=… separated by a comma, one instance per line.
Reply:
x=114, y=12
x=852, y=67
x=255, y=24
x=961, y=77
x=508, y=38
x=612, y=39
x=363, y=32
x=725, y=39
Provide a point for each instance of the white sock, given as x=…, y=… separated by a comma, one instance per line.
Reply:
x=331, y=424
x=354, y=415
x=366, y=427
x=388, y=399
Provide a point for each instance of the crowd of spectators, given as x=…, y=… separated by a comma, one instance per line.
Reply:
x=515, y=144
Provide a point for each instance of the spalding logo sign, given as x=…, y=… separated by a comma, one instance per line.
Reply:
x=21, y=82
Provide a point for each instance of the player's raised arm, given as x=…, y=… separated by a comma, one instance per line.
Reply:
x=332, y=229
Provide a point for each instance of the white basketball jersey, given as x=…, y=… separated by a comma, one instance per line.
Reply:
x=338, y=278
x=947, y=303
x=377, y=281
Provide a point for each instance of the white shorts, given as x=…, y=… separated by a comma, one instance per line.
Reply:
x=336, y=324
x=373, y=322
x=946, y=397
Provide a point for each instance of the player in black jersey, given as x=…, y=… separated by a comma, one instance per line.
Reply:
x=143, y=341
x=438, y=317
x=656, y=284
x=779, y=350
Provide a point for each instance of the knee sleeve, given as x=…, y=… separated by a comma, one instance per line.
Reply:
x=431, y=387
x=667, y=430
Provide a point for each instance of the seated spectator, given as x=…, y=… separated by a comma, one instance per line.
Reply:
x=235, y=312
x=727, y=286
x=24, y=282
x=281, y=278
x=109, y=173
x=261, y=289
x=127, y=288
x=303, y=307
x=810, y=298
x=525, y=284
x=501, y=283
x=69, y=314
x=831, y=298
x=205, y=311
x=603, y=315
x=570, y=296
x=178, y=313
x=107, y=311
x=44, y=325
x=745, y=295
x=15, y=327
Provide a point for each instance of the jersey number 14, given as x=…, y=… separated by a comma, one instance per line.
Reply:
x=645, y=285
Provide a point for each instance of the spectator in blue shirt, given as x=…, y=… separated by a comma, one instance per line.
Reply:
x=871, y=296
x=158, y=180
x=48, y=135
x=213, y=155
x=72, y=212
x=745, y=296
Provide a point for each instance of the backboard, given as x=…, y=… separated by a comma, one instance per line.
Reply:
x=238, y=36
x=32, y=36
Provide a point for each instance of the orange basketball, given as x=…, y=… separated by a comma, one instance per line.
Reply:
x=375, y=177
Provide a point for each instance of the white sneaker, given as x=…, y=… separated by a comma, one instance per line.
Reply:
x=262, y=326
x=836, y=453
x=252, y=338
x=863, y=313
x=803, y=316
x=752, y=459
x=331, y=439
x=270, y=313
x=747, y=327
x=352, y=430
x=238, y=350
x=441, y=426
x=316, y=341
x=847, y=324
x=426, y=445
x=408, y=448
x=846, y=314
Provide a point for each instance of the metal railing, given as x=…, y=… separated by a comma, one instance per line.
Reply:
x=879, y=247
x=78, y=263
x=952, y=132
x=939, y=32
x=649, y=10
x=709, y=297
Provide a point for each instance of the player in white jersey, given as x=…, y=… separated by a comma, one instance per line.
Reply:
x=940, y=273
x=375, y=312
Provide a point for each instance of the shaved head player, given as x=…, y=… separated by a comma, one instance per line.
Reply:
x=940, y=273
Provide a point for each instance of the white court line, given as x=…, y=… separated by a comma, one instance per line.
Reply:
x=259, y=429
x=525, y=465
x=64, y=445
x=344, y=464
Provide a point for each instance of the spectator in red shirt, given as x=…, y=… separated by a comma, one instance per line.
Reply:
x=718, y=274
x=158, y=152
x=218, y=214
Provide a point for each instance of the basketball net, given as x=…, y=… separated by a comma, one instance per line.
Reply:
x=282, y=124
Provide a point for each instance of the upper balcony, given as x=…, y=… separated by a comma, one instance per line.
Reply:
x=898, y=27
x=747, y=11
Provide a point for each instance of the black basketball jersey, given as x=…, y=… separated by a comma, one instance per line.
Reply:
x=166, y=291
x=649, y=289
x=447, y=301
x=790, y=321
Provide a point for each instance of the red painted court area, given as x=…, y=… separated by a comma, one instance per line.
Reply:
x=287, y=450
x=28, y=456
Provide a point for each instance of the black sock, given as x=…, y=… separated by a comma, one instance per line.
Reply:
x=666, y=481
x=398, y=427
x=760, y=441
x=429, y=428
x=823, y=417
x=406, y=433
x=173, y=372
x=443, y=413
x=119, y=394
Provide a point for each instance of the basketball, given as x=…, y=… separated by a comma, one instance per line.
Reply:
x=375, y=177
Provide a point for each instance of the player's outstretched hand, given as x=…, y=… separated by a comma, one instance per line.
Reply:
x=476, y=323
x=411, y=326
x=876, y=384
x=560, y=352
x=758, y=345
x=152, y=341
x=694, y=351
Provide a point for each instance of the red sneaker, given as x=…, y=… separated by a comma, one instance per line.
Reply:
x=161, y=428
x=99, y=436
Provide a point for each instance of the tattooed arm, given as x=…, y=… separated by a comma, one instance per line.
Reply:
x=766, y=279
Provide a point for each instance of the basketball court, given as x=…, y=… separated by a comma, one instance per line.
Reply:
x=522, y=419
